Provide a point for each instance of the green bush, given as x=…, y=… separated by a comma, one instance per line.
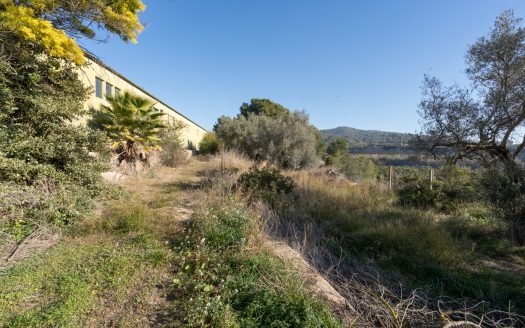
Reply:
x=24, y=208
x=266, y=132
x=504, y=188
x=452, y=187
x=357, y=168
x=266, y=184
x=209, y=144
x=50, y=166
x=173, y=153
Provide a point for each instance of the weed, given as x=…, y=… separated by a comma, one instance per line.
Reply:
x=99, y=265
x=220, y=283
x=266, y=184
x=362, y=226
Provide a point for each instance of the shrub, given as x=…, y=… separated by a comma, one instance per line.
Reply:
x=360, y=168
x=452, y=187
x=25, y=208
x=266, y=184
x=504, y=188
x=209, y=144
x=286, y=140
x=173, y=153
x=48, y=169
x=357, y=168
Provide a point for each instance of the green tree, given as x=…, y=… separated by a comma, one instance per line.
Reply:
x=337, y=152
x=133, y=124
x=209, y=144
x=321, y=145
x=286, y=139
x=39, y=99
x=263, y=107
x=487, y=127
x=53, y=25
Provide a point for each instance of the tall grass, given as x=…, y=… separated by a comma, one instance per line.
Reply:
x=359, y=227
x=228, y=160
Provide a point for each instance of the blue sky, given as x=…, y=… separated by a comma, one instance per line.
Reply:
x=346, y=62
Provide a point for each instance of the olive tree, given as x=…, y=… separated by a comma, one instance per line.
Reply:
x=485, y=122
x=286, y=139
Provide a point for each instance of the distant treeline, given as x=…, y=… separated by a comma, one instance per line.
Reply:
x=359, y=138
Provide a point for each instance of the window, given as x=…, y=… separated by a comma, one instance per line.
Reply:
x=98, y=87
x=109, y=89
x=117, y=92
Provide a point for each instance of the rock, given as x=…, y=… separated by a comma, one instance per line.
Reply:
x=113, y=177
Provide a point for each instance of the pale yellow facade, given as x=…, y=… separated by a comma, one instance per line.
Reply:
x=103, y=80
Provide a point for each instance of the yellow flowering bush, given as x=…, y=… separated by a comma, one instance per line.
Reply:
x=54, y=25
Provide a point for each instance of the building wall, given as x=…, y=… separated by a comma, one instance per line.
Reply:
x=192, y=133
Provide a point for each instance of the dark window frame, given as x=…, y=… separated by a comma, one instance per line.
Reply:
x=98, y=87
x=109, y=89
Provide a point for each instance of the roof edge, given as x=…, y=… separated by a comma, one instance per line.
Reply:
x=101, y=63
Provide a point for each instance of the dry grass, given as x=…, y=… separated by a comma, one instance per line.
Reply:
x=337, y=195
x=229, y=160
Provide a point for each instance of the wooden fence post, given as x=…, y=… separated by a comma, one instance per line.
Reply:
x=431, y=177
x=390, y=179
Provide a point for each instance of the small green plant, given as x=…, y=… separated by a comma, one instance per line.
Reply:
x=266, y=184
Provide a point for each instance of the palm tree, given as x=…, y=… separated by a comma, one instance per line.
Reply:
x=133, y=124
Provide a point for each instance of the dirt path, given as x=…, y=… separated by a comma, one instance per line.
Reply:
x=99, y=254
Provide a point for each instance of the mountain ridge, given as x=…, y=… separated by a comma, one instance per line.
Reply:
x=360, y=137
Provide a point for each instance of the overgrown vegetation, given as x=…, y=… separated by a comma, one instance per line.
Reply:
x=360, y=225
x=172, y=153
x=266, y=184
x=452, y=188
x=209, y=144
x=266, y=131
x=356, y=168
x=390, y=258
x=48, y=170
x=488, y=127
x=104, y=263
x=220, y=282
x=216, y=272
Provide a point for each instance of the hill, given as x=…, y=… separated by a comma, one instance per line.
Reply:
x=387, y=148
x=359, y=138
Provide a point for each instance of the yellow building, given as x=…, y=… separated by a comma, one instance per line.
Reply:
x=103, y=80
